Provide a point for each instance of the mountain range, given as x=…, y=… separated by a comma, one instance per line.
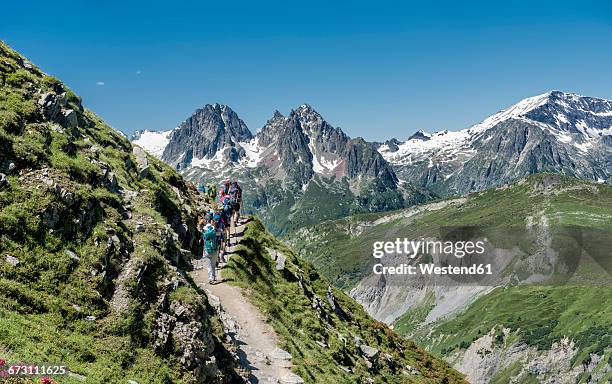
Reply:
x=296, y=169
x=296, y=158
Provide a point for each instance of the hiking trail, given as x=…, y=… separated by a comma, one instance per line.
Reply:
x=253, y=336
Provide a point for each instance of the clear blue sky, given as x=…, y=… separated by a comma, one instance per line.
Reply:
x=377, y=69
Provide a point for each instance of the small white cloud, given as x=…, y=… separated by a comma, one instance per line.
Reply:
x=138, y=71
x=99, y=83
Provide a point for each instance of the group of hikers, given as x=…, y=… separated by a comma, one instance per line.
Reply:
x=215, y=226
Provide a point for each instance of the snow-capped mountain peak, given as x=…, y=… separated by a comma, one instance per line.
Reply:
x=553, y=132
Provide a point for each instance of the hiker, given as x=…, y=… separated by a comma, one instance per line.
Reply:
x=226, y=215
x=201, y=187
x=224, y=192
x=211, y=250
x=212, y=191
x=220, y=233
x=236, y=200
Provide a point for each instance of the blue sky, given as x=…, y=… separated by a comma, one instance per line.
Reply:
x=377, y=69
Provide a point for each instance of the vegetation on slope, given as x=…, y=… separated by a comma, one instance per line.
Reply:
x=320, y=326
x=90, y=244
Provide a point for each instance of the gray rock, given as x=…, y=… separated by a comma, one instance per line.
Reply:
x=368, y=351
x=70, y=118
x=8, y=166
x=273, y=253
x=4, y=183
x=139, y=227
x=280, y=354
x=64, y=195
x=90, y=318
x=76, y=376
x=12, y=260
x=71, y=254
x=111, y=180
x=142, y=163
x=280, y=261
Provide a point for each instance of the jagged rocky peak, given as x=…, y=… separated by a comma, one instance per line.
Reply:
x=419, y=135
x=210, y=129
x=272, y=129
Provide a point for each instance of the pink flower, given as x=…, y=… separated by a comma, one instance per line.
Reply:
x=47, y=380
x=2, y=362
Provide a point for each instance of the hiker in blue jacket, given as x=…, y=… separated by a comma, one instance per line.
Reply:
x=211, y=250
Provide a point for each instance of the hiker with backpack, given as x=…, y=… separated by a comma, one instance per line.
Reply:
x=236, y=201
x=224, y=191
x=220, y=232
x=211, y=250
x=226, y=215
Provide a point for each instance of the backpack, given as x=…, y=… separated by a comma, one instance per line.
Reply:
x=235, y=193
x=227, y=202
x=210, y=239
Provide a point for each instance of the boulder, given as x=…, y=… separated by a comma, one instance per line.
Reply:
x=64, y=195
x=280, y=261
x=368, y=351
x=4, y=183
x=70, y=118
x=142, y=163
x=12, y=260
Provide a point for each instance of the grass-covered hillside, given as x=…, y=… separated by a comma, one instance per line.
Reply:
x=90, y=242
x=329, y=335
x=493, y=334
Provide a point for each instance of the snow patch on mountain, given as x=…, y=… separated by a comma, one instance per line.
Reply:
x=152, y=141
x=253, y=153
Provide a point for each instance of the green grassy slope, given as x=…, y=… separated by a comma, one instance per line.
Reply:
x=321, y=339
x=67, y=232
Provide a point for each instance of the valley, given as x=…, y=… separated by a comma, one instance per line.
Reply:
x=547, y=298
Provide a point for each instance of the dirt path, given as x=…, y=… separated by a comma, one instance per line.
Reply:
x=254, y=337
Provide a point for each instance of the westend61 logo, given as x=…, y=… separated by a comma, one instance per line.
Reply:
x=411, y=249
